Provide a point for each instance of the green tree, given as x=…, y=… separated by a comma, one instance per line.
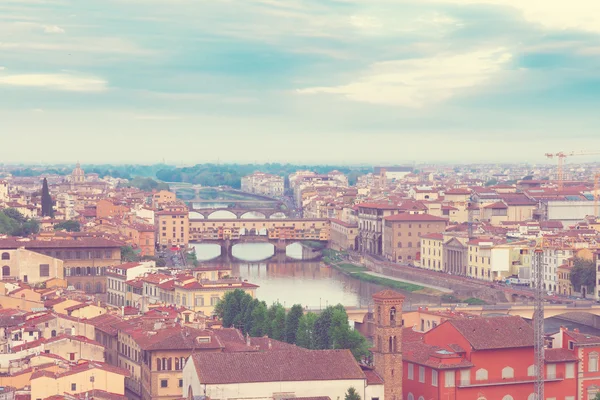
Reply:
x=291, y=323
x=13, y=223
x=492, y=182
x=260, y=323
x=47, y=210
x=352, y=394
x=69, y=226
x=583, y=275
x=14, y=214
x=597, y=396
x=128, y=254
x=305, y=337
x=276, y=318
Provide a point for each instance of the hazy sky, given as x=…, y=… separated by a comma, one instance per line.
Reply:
x=354, y=81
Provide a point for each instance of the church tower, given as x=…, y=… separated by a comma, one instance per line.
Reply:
x=387, y=338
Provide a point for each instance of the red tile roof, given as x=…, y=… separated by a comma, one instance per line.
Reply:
x=85, y=366
x=494, y=333
x=436, y=236
x=276, y=366
x=378, y=206
x=559, y=355
x=388, y=294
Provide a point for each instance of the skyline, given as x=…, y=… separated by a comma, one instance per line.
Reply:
x=337, y=81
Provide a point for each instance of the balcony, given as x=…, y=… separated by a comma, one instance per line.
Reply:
x=506, y=381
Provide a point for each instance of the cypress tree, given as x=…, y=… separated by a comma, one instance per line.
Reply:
x=47, y=210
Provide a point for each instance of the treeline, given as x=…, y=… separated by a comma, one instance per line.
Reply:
x=231, y=174
x=13, y=223
x=128, y=171
x=147, y=184
x=327, y=330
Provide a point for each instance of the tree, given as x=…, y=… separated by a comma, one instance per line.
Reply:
x=69, y=226
x=260, y=324
x=291, y=323
x=583, y=275
x=128, y=254
x=492, y=182
x=276, y=320
x=597, y=396
x=13, y=223
x=47, y=210
x=305, y=337
x=352, y=394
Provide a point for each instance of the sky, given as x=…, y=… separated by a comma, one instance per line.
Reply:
x=311, y=81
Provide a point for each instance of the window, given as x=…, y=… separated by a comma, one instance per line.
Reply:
x=422, y=374
x=508, y=397
x=551, y=371
x=6, y=270
x=593, y=362
x=214, y=300
x=5, y=256
x=72, y=356
x=411, y=371
x=570, y=370
x=410, y=397
x=434, y=378
x=44, y=270
x=181, y=383
x=507, y=373
x=199, y=301
x=449, y=379
x=465, y=377
x=531, y=370
x=481, y=374
x=73, y=387
x=163, y=383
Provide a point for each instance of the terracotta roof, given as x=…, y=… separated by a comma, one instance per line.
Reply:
x=176, y=338
x=583, y=338
x=378, y=206
x=433, y=356
x=340, y=222
x=276, y=366
x=373, y=377
x=85, y=366
x=415, y=217
x=559, y=355
x=388, y=295
x=494, y=333
x=436, y=236
x=81, y=242
x=497, y=205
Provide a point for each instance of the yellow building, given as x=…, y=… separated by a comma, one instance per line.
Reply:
x=432, y=251
x=173, y=227
x=564, y=280
x=162, y=197
x=81, y=378
x=203, y=297
x=77, y=309
x=29, y=266
x=343, y=235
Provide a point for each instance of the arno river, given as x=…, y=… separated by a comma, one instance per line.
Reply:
x=292, y=281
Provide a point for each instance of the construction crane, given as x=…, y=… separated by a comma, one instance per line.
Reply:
x=538, y=318
x=561, y=162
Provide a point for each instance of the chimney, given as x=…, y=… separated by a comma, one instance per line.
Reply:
x=247, y=339
x=122, y=311
x=270, y=345
x=576, y=330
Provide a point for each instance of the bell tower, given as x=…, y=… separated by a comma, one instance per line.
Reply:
x=387, y=338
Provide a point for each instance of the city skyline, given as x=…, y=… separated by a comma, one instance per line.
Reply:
x=339, y=81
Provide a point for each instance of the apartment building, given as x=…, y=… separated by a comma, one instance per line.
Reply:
x=172, y=226
x=263, y=184
x=402, y=235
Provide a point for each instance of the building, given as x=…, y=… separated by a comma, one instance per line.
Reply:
x=81, y=378
x=29, y=266
x=343, y=235
x=270, y=374
x=172, y=227
x=392, y=173
x=432, y=251
x=85, y=258
x=263, y=184
x=117, y=276
x=370, y=226
x=402, y=235
x=387, y=353
x=162, y=197
x=482, y=359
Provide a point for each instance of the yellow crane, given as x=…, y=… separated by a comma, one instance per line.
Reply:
x=561, y=155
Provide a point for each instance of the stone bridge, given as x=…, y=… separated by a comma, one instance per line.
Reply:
x=279, y=246
x=242, y=213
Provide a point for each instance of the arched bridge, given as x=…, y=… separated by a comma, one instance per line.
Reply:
x=243, y=213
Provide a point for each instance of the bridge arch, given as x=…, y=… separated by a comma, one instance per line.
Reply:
x=238, y=251
x=222, y=214
x=253, y=215
x=196, y=215
x=278, y=215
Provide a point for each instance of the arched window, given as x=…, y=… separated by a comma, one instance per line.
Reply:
x=98, y=287
x=393, y=316
x=421, y=398
x=399, y=245
x=5, y=256
x=391, y=344
x=177, y=364
x=409, y=244
x=531, y=396
x=593, y=362
x=53, y=333
x=410, y=397
x=182, y=362
x=164, y=364
x=78, y=286
x=481, y=374
x=169, y=364
x=508, y=397
x=88, y=287
x=379, y=314
x=78, y=271
x=6, y=270
x=88, y=271
x=158, y=364
x=507, y=373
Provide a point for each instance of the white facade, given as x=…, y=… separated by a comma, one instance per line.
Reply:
x=263, y=184
x=3, y=191
x=569, y=212
x=554, y=258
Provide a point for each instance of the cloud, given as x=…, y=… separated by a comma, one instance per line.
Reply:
x=415, y=83
x=552, y=14
x=62, y=82
x=53, y=29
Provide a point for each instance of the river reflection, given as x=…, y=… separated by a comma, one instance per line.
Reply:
x=308, y=283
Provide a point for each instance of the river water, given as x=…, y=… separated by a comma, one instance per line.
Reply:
x=289, y=281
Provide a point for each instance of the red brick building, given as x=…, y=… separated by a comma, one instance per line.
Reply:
x=482, y=359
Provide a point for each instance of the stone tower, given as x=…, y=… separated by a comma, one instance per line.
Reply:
x=387, y=338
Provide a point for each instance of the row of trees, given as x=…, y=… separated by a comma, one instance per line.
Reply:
x=13, y=223
x=583, y=275
x=129, y=254
x=231, y=174
x=328, y=330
